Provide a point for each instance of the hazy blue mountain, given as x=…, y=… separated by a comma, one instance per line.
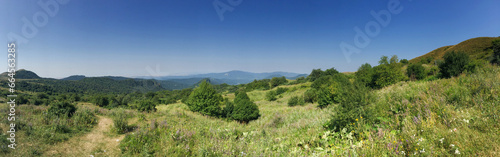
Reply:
x=231, y=77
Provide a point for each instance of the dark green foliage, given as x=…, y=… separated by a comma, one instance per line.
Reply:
x=387, y=73
x=271, y=95
x=311, y=96
x=364, y=74
x=331, y=93
x=146, y=106
x=101, y=101
x=474, y=65
x=245, y=110
x=315, y=74
x=404, y=61
x=321, y=82
x=240, y=96
x=276, y=81
x=295, y=100
x=426, y=60
x=415, y=72
x=62, y=109
x=206, y=100
x=227, y=111
x=496, y=51
x=353, y=100
x=258, y=84
x=120, y=123
x=281, y=90
x=454, y=64
x=22, y=99
x=331, y=72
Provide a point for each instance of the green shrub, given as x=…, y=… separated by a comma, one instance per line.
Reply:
x=206, y=100
x=101, y=101
x=454, y=64
x=295, y=100
x=62, y=109
x=315, y=74
x=120, y=123
x=271, y=95
x=415, y=72
x=311, y=95
x=227, y=111
x=474, y=65
x=146, y=106
x=364, y=74
x=353, y=104
x=84, y=119
x=404, y=61
x=245, y=111
x=387, y=73
x=496, y=51
x=281, y=90
x=276, y=81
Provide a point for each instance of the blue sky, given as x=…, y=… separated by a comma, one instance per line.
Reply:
x=178, y=37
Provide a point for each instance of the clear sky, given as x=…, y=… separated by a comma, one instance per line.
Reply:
x=177, y=37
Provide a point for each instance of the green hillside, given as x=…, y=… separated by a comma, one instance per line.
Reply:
x=477, y=48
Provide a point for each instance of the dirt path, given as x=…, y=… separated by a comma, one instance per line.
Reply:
x=97, y=142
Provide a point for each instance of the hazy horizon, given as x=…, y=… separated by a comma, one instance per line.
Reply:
x=161, y=38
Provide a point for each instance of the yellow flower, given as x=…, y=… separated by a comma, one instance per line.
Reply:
x=356, y=119
x=361, y=117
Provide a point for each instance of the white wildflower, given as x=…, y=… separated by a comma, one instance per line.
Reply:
x=117, y=140
x=441, y=140
x=91, y=155
x=456, y=151
x=466, y=121
x=452, y=145
x=403, y=152
x=421, y=139
x=423, y=150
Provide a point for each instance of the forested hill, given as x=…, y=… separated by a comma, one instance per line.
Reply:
x=86, y=85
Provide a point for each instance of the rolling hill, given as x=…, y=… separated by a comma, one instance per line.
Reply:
x=476, y=48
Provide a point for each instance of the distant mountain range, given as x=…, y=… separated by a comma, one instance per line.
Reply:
x=181, y=82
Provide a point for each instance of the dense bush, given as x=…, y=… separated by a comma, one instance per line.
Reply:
x=315, y=74
x=258, y=84
x=353, y=105
x=147, y=106
x=295, y=100
x=281, y=90
x=120, y=123
x=364, y=74
x=244, y=109
x=387, y=73
x=404, y=61
x=271, y=95
x=454, y=64
x=62, y=109
x=415, y=72
x=332, y=93
x=496, y=51
x=276, y=81
x=206, y=100
x=228, y=109
x=101, y=101
x=311, y=95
